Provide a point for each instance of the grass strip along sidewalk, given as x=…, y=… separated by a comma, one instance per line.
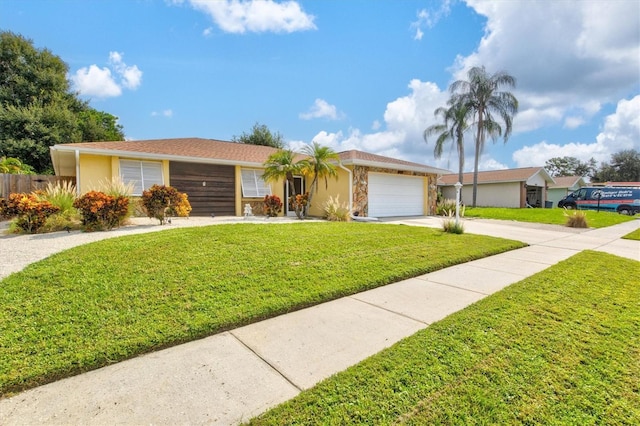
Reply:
x=560, y=347
x=549, y=216
x=114, y=299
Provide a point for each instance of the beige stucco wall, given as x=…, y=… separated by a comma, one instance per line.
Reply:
x=489, y=194
x=334, y=187
x=95, y=169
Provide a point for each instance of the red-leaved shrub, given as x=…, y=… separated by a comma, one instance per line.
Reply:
x=30, y=212
x=101, y=211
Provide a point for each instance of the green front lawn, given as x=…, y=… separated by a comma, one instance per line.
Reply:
x=114, y=299
x=634, y=235
x=560, y=347
x=555, y=216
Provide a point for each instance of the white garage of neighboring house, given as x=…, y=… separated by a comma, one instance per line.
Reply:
x=516, y=188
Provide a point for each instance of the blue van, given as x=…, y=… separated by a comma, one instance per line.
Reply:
x=621, y=200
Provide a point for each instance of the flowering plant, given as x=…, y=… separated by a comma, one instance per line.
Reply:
x=30, y=211
x=101, y=211
x=272, y=205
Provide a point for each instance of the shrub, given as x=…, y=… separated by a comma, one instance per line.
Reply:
x=299, y=204
x=451, y=226
x=115, y=187
x=158, y=200
x=446, y=206
x=62, y=194
x=101, y=211
x=182, y=208
x=577, y=219
x=336, y=211
x=29, y=210
x=272, y=205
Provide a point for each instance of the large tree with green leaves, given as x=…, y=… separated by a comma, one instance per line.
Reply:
x=483, y=97
x=569, y=166
x=38, y=108
x=624, y=167
x=455, y=122
x=261, y=135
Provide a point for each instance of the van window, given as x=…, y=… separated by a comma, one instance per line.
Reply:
x=580, y=194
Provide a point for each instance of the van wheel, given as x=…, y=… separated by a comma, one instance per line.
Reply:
x=569, y=206
x=625, y=210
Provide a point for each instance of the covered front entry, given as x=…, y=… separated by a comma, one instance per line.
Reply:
x=299, y=188
x=210, y=187
x=395, y=195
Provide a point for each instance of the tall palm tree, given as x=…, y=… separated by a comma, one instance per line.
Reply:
x=482, y=96
x=454, y=124
x=282, y=165
x=320, y=164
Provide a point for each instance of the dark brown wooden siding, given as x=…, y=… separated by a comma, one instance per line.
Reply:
x=217, y=196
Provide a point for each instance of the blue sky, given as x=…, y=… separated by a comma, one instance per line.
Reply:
x=351, y=74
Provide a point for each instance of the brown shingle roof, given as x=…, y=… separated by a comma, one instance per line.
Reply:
x=186, y=148
x=365, y=158
x=507, y=175
x=198, y=149
x=565, y=181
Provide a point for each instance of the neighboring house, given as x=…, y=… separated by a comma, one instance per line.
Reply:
x=501, y=188
x=563, y=186
x=222, y=177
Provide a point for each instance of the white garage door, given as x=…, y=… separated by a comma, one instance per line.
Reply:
x=395, y=195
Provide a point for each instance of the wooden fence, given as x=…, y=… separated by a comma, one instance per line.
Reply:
x=27, y=183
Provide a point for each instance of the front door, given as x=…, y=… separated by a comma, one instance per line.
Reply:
x=298, y=184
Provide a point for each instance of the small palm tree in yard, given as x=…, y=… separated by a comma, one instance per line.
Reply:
x=283, y=165
x=320, y=164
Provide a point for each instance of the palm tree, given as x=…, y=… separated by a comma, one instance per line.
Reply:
x=482, y=96
x=452, y=128
x=320, y=164
x=282, y=165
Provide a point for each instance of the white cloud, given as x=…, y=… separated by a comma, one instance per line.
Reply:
x=241, y=16
x=131, y=76
x=165, y=113
x=95, y=81
x=321, y=109
x=429, y=18
x=584, y=54
x=102, y=83
x=621, y=131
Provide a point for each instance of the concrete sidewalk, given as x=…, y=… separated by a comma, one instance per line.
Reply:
x=230, y=377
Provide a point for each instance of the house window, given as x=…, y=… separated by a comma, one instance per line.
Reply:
x=143, y=174
x=253, y=186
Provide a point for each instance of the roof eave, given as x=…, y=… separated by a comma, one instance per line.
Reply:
x=153, y=156
x=395, y=166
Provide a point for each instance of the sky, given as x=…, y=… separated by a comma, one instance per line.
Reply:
x=351, y=74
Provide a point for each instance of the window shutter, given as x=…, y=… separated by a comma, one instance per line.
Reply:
x=151, y=174
x=252, y=184
x=130, y=172
x=143, y=174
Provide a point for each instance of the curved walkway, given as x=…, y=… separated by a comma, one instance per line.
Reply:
x=232, y=376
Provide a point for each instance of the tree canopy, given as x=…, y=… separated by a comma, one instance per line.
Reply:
x=569, y=166
x=261, y=135
x=624, y=167
x=38, y=109
x=481, y=94
x=455, y=122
